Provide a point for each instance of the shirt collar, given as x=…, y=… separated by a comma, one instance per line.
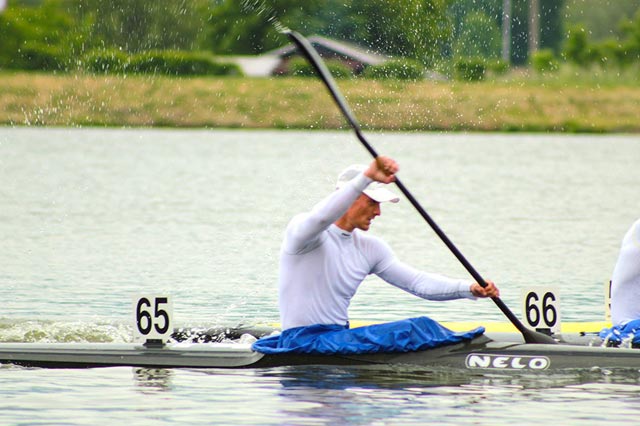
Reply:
x=335, y=229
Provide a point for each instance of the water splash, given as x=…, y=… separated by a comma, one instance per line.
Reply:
x=627, y=341
x=262, y=9
x=618, y=338
x=43, y=331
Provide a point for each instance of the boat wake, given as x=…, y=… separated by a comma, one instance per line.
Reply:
x=49, y=331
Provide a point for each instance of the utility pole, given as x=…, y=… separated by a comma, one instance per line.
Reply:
x=506, y=31
x=534, y=26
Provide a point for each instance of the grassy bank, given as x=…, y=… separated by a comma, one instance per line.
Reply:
x=517, y=105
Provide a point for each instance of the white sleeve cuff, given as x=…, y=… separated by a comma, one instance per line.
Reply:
x=361, y=182
x=466, y=290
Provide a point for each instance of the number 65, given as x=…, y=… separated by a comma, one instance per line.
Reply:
x=156, y=321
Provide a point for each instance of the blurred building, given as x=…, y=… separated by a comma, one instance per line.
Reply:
x=276, y=61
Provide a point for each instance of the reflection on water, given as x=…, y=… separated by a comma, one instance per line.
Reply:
x=410, y=377
x=152, y=379
x=393, y=394
x=329, y=377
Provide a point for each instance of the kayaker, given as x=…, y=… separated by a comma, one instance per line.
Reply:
x=326, y=253
x=625, y=281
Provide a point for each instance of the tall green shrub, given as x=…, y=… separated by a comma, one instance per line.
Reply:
x=470, y=69
x=40, y=57
x=179, y=63
x=106, y=61
x=164, y=62
x=576, y=48
x=544, y=61
x=398, y=69
x=300, y=67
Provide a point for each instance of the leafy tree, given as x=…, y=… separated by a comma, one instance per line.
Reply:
x=414, y=28
x=242, y=27
x=139, y=25
x=458, y=11
x=551, y=25
x=340, y=19
x=418, y=29
x=478, y=36
x=600, y=18
x=550, y=21
x=577, y=46
x=619, y=51
x=631, y=36
x=44, y=31
x=519, y=31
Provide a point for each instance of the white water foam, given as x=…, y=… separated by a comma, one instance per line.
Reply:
x=45, y=331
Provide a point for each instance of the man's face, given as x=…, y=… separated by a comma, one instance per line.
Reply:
x=362, y=212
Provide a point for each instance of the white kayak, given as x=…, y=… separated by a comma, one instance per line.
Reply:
x=492, y=351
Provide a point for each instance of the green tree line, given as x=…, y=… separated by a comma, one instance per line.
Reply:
x=137, y=35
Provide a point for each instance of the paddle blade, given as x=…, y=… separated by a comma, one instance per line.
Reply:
x=531, y=336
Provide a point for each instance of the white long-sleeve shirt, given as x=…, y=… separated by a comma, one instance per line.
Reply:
x=625, y=281
x=322, y=266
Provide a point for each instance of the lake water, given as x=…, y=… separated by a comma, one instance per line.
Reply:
x=90, y=218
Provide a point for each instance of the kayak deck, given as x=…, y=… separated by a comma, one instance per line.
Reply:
x=492, y=351
x=84, y=355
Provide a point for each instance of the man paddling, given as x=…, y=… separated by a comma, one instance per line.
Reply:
x=625, y=281
x=326, y=254
x=625, y=293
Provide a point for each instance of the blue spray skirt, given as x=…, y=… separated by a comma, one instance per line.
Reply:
x=413, y=334
x=616, y=334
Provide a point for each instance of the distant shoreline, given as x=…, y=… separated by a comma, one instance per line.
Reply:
x=38, y=99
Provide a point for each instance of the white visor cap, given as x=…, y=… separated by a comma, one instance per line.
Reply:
x=377, y=191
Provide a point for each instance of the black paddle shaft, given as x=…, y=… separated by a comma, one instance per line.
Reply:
x=316, y=61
